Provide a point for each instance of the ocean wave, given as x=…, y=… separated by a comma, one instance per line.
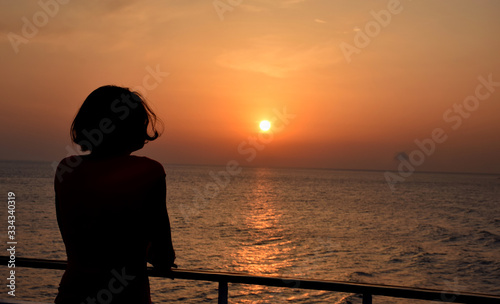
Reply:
x=488, y=238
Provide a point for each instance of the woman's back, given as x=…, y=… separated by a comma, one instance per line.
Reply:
x=106, y=211
x=111, y=206
x=105, y=203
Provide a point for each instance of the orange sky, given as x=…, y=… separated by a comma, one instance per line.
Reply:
x=231, y=65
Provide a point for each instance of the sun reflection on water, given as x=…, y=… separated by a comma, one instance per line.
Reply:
x=266, y=250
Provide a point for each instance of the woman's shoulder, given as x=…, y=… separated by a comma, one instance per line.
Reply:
x=147, y=164
x=72, y=160
x=66, y=166
x=137, y=165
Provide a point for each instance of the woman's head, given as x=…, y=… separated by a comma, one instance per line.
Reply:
x=113, y=120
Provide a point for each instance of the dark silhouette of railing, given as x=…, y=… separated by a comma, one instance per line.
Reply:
x=223, y=278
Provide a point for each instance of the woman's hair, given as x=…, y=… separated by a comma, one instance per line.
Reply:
x=113, y=119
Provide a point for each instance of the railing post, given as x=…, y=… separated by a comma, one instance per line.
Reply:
x=367, y=298
x=222, y=292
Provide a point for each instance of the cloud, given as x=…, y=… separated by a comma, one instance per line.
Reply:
x=257, y=6
x=290, y=2
x=102, y=27
x=319, y=21
x=276, y=58
x=253, y=8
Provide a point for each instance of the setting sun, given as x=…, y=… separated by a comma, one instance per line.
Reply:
x=265, y=125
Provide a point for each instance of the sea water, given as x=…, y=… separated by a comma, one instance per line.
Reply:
x=439, y=231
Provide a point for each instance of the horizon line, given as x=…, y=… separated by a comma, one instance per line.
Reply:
x=293, y=167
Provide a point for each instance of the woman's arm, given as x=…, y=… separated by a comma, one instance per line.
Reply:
x=161, y=252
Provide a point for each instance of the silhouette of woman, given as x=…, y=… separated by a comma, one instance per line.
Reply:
x=110, y=205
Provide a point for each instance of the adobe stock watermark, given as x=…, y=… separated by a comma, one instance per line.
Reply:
x=455, y=115
x=116, y=285
x=249, y=149
x=30, y=28
x=453, y=289
x=223, y=6
x=122, y=108
x=363, y=36
x=11, y=242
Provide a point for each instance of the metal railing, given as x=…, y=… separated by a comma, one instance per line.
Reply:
x=223, y=278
